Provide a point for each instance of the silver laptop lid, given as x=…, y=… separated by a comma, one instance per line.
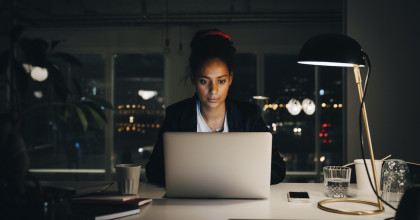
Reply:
x=217, y=165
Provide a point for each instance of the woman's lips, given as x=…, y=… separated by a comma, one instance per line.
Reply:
x=213, y=100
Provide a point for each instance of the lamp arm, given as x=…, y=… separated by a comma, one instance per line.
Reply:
x=358, y=80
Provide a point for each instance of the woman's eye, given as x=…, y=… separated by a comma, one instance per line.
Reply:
x=222, y=81
x=203, y=82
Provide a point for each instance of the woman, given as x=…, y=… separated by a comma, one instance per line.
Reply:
x=210, y=109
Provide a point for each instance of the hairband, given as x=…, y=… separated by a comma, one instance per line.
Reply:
x=217, y=33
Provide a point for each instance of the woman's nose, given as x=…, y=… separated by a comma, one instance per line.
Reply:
x=213, y=88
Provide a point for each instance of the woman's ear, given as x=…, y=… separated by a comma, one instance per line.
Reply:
x=230, y=78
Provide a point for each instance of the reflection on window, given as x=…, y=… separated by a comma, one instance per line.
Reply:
x=331, y=123
x=139, y=103
x=289, y=112
x=53, y=142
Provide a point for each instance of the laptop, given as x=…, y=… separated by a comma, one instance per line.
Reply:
x=218, y=165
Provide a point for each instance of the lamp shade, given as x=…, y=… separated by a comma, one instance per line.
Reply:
x=331, y=50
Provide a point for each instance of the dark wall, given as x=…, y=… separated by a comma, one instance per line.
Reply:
x=389, y=32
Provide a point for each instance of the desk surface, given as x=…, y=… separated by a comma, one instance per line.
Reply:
x=277, y=207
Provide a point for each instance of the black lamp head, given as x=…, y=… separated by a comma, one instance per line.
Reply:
x=332, y=50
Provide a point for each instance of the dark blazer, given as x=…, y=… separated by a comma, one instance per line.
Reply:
x=182, y=116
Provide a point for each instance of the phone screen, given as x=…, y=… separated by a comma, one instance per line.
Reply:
x=299, y=195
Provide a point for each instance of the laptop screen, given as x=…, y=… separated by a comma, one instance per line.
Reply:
x=217, y=165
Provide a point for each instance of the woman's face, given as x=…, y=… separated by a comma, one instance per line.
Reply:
x=212, y=83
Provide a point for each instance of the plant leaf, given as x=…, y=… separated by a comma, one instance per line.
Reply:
x=98, y=120
x=54, y=43
x=66, y=113
x=58, y=82
x=76, y=83
x=32, y=51
x=97, y=109
x=82, y=118
x=100, y=102
x=67, y=57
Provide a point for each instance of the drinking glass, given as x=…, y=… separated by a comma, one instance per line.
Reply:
x=394, y=179
x=337, y=180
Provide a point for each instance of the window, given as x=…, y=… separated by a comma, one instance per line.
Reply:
x=331, y=119
x=294, y=134
x=54, y=143
x=308, y=141
x=139, y=104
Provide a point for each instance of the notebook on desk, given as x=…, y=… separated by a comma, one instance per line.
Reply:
x=217, y=165
x=79, y=188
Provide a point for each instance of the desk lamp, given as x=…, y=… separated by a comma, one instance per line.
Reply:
x=342, y=51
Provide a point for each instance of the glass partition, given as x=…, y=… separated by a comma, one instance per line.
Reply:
x=55, y=143
x=304, y=111
x=139, y=103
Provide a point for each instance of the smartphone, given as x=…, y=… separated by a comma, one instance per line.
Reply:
x=298, y=197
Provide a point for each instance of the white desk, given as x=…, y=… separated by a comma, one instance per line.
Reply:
x=277, y=207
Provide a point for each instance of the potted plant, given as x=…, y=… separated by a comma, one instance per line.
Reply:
x=28, y=63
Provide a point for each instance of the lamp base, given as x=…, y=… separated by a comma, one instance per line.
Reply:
x=367, y=212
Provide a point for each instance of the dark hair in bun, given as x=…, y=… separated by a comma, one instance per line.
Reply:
x=207, y=45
